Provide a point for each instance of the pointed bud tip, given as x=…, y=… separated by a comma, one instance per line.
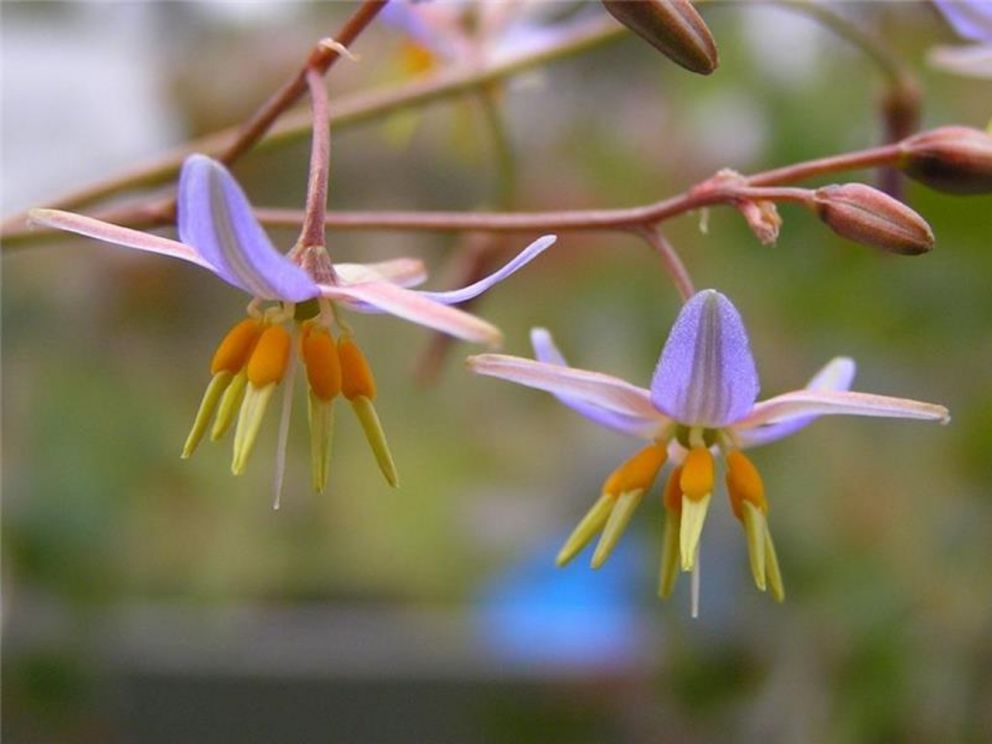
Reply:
x=868, y=216
x=955, y=160
x=673, y=27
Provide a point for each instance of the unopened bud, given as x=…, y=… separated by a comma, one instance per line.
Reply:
x=763, y=219
x=868, y=216
x=957, y=160
x=673, y=27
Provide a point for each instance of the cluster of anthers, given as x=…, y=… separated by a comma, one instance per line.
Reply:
x=299, y=300
x=701, y=405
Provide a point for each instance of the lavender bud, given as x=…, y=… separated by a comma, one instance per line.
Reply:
x=673, y=27
x=957, y=160
x=868, y=216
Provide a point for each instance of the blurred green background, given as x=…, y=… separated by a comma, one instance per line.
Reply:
x=152, y=599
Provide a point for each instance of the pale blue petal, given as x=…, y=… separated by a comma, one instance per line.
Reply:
x=528, y=254
x=838, y=374
x=546, y=351
x=706, y=374
x=971, y=19
x=216, y=219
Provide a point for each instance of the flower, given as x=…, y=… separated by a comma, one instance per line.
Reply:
x=219, y=232
x=971, y=20
x=475, y=31
x=701, y=403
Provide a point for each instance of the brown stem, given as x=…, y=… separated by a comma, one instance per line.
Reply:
x=321, y=59
x=711, y=191
x=312, y=232
x=671, y=261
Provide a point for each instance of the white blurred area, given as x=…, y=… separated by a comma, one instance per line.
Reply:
x=85, y=86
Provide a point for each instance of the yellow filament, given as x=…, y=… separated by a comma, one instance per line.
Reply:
x=320, y=357
x=697, y=477
x=233, y=351
x=591, y=523
x=617, y=522
x=356, y=375
x=744, y=484
x=637, y=473
x=270, y=357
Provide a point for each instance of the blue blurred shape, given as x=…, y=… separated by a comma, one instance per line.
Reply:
x=571, y=618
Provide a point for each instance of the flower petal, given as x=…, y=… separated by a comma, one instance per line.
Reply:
x=215, y=217
x=604, y=391
x=971, y=19
x=638, y=426
x=523, y=258
x=123, y=236
x=403, y=272
x=706, y=374
x=801, y=403
x=971, y=60
x=838, y=374
x=413, y=306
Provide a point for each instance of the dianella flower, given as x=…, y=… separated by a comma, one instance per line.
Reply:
x=700, y=408
x=297, y=312
x=971, y=20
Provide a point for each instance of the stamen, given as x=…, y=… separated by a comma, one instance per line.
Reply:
x=356, y=374
x=218, y=385
x=691, y=528
x=229, y=405
x=234, y=349
x=270, y=357
x=376, y=438
x=287, y=410
x=695, y=587
x=590, y=525
x=672, y=500
x=697, y=473
x=620, y=516
x=320, y=357
x=744, y=484
x=754, y=529
x=638, y=472
x=320, y=414
x=772, y=569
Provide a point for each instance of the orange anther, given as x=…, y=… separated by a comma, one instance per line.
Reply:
x=233, y=351
x=672, y=497
x=271, y=356
x=637, y=473
x=356, y=375
x=744, y=484
x=697, y=474
x=320, y=357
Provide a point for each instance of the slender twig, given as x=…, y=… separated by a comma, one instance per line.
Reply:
x=671, y=261
x=353, y=110
x=312, y=232
x=715, y=190
x=321, y=59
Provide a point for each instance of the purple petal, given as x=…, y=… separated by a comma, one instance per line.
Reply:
x=528, y=254
x=216, y=219
x=384, y=297
x=971, y=19
x=638, y=426
x=123, y=236
x=706, y=374
x=838, y=374
x=601, y=390
x=801, y=403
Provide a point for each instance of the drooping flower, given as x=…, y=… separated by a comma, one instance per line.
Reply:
x=701, y=404
x=971, y=20
x=475, y=31
x=303, y=291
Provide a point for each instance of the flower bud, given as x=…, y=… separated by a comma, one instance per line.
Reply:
x=956, y=160
x=868, y=216
x=673, y=27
